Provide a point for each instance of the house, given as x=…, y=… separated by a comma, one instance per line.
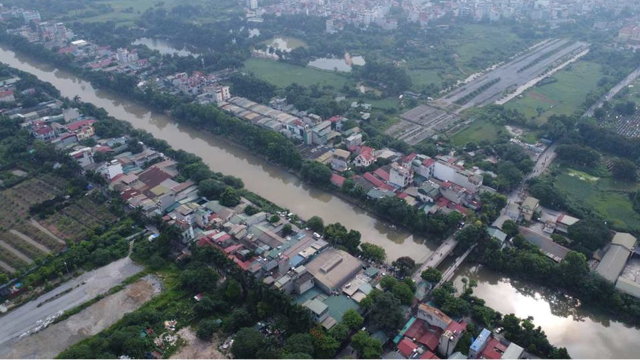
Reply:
x=353, y=141
x=7, y=96
x=512, y=211
x=528, y=207
x=337, y=180
x=319, y=310
x=564, y=221
x=400, y=176
x=365, y=158
x=340, y=160
x=497, y=234
x=614, y=261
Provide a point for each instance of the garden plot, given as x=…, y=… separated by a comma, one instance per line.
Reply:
x=73, y=222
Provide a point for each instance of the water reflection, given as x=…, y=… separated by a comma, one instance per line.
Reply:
x=584, y=332
x=259, y=176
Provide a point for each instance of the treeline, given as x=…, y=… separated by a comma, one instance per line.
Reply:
x=392, y=79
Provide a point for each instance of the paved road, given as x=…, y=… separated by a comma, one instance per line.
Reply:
x=83, y=288
x=437, y=256
x=613, y=92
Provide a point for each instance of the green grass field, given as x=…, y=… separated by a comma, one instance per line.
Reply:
x=485, y=42
x=476, y=132
x=424, y=77
x=282, y=74
x=562, y=97
x=612, y=205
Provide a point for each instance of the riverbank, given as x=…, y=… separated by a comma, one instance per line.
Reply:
x=261, y=177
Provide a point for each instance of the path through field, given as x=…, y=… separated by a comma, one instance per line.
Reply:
x=46, y=231
x=30, y=241
x=7, y=267
x=16, y=252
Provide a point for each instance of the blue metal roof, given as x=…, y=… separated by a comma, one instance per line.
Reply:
x=296, y=260
x=479, y=343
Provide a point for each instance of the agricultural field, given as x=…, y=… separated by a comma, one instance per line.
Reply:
x=476, y=132
x=606, y=196
x=23, y=239
x=562, y=97
x=282, y=74
x=421, y=78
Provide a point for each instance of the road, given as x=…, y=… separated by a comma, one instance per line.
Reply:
x=613, y=92
x=437, y=256
x=448, y=274
x=80, y=290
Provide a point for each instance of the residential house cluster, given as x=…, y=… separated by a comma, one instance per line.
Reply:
x=204, y=87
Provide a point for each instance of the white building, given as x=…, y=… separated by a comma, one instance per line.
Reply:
x=400, y=175
x=446, y=172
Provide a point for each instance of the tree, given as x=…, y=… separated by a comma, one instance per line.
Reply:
x=404, y=265
x=373, y=252
x=233, y=181
x=590, y=233
x=324, y=345
x=624, y=170
x=368, y=347
x=510, y=228
x=388, y=282
x=431, y=275
x=352, y=319
x=211, y=189
x=229, y=197
x=386, y=312
x=247, y=342
x=340, y=332
x=287, y=230
x=201, y=279
x=316, y=173
x=207, y=328
x=316, y=224
x=232, y=290
x=274, y=219
x=403, y=292
x=299, y=343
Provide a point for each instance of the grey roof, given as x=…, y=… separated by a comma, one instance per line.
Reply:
x=613, y=262
x=624, y=239
x=333, y=267
x=316, y=306
x=496, y=233
x=553, y=250
x=513, y=351
x=628, y=286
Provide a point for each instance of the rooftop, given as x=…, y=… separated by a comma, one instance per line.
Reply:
x=624, y=239
x=613, y=262
x=332, y=267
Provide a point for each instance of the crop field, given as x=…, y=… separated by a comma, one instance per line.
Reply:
x=282, y=74
x=476, y=132
x=24, y=240
x=603, y=195
x=562, y=97
x=73, y=222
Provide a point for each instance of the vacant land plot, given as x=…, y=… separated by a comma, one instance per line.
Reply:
x=476, y=132
x=518, y=72
x=282, y=74
x=612, y=205
x=88, y=322
x=562, y=97
x=196, y=348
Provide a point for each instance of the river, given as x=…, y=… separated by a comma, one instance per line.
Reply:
x=267, y=180
x=584, y=332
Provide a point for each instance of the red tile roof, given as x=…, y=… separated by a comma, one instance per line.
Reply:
x=429, y=355
x=337, y=180
x=491, y=350
x=431, y=338
x=78, y=124
x=409, y=157
x=6, y=93
x=457, y=327
x=233, y=248
x=205, y=241
x=153, y=176
x=406, y=347
x=372, y=179
x=382, y=174
x=416, y=330
x=367, y=153
x=428, y=162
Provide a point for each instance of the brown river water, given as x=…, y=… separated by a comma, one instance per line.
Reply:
x=586, y=334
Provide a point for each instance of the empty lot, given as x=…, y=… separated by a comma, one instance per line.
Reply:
x=83, y=289
x=515, y=73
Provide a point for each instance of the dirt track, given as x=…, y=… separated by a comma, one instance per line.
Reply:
x=196, y=348
x=97, y=317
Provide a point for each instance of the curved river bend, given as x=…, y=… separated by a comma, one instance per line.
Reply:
x=265, y=179
x=584, y=333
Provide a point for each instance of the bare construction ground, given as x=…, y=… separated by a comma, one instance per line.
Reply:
x=196, y=348
x=66, y=296
x=420, y=123
x=511, y=75
x=51, y=341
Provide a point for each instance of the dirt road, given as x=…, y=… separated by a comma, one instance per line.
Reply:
x=50, y=342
